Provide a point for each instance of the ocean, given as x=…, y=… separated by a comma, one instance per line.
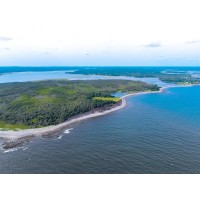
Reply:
x=155, y=133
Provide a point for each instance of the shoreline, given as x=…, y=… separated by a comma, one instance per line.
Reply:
x=16, y=138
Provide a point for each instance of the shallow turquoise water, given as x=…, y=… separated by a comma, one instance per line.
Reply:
x=155, y=133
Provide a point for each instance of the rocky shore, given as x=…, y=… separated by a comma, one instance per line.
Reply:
x=17, y=138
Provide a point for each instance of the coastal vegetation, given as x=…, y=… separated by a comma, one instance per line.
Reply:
x=43, y=103
x=15, y=127
x=177, y=75
x=113, y=99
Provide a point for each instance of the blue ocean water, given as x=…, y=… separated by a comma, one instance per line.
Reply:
x=155, y=133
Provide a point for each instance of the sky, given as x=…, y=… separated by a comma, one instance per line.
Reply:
x=99, y=32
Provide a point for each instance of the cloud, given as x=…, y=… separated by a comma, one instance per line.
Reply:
x=49, y=50
x=5, y=49
x=153, y=44
x=193, y=42
x=86, y=53
x=5, y=38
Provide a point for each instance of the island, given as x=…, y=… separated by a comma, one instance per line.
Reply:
x=172, y=75
x=46, y=107
x=44, y=103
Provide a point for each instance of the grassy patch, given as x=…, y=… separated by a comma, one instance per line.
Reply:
x=14, y=127
x=113, y=99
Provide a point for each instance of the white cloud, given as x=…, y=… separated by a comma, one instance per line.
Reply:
x=5, y=38
x=86, y=53
x=153, y=44
x=193, y=42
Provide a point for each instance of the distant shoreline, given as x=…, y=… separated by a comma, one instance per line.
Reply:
x=14, y=138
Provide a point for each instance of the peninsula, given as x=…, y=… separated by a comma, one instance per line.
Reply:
x=46, y=107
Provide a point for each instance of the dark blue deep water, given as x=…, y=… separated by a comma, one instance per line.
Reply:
x=155, y=133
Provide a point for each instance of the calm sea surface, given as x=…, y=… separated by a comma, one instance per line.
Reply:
x=155, y=133
x=50, y=75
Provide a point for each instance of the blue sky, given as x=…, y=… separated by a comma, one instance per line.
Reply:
x=106, y=32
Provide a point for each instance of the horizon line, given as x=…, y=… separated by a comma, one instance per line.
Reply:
x=99, y=66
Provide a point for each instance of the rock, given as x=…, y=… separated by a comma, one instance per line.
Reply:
x=16, y=143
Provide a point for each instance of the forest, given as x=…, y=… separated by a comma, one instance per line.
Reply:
x=176, y=75
x=43, y=103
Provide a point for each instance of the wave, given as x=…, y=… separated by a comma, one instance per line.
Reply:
x=68, y=130
x=59, y=137
x=11, y=150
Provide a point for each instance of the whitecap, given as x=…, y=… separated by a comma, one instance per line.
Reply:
x=25, y=148
x=11, y=150
x=68, y=130
x=60, y=137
